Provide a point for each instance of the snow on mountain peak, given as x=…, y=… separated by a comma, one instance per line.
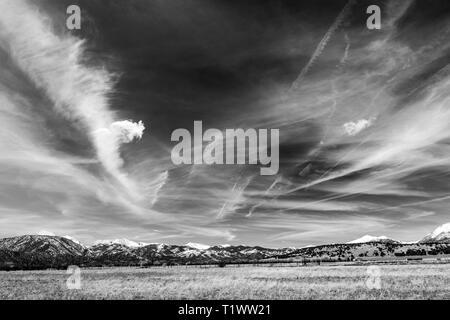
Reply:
x=445, y=228
x=197, y=246
x=441, y=233
x=73, y=239
x=369, y=238
x=124, y=242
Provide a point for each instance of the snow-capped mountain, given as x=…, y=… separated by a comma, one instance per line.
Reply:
x=369, y=238
x=123, y=242
x=197, y=246
x=74, y=240
x=440, y=234
x=44, y=251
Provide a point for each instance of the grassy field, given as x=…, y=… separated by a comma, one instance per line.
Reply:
x=421, y=281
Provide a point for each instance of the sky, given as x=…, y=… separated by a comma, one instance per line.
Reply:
x=86, y=118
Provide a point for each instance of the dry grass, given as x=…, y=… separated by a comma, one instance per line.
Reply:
x=430, y=281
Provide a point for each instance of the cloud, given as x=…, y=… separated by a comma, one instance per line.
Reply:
x=64, y=164
x=317, y=228
x=323, y=43
x=45, y=233
x=126, y=130
x=353, y=128
x=110, y=139
x=78, y=92
x=30, y=164
x=334, y=206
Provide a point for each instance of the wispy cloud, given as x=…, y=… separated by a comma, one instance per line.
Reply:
x=363, y=139
x=79, y=93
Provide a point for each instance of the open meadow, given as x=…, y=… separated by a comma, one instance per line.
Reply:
x=411, y=281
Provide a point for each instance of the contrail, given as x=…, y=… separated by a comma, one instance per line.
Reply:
x=347, y=49
x=447, y=197
x=274, y=183
x=343, y=60
x=323, y=43
x=220, y=215
x=239, y=190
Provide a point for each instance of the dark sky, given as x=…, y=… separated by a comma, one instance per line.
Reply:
x=364, y=132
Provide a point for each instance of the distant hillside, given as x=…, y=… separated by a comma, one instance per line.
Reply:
x=40, y=252
x=50, y=245
x=369, y=238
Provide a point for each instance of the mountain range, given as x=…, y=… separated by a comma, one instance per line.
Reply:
x=49, y=251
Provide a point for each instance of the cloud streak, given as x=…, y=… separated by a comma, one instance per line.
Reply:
x=79, y=93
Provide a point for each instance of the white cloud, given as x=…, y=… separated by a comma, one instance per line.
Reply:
x=79, y=93
x=353, y=128
x=45, y=233
x=126, y=130
x=109, y=140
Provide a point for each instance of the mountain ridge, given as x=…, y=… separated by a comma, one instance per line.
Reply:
x=48, y=251
x=368, y=238
x=440, y=234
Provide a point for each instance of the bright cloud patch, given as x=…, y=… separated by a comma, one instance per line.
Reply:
x=45, y=233
x=353, y=128
x=126, y=130
x=109, y=141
